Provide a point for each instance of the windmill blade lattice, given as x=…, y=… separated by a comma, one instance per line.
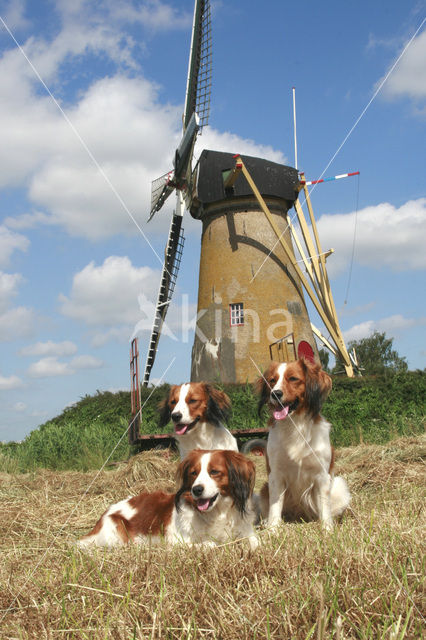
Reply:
x=199, y=83
x=161, y=188
x=197, y=106
x=173, y=256
x=195, y=117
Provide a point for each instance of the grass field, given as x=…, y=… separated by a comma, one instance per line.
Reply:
x=363, y=580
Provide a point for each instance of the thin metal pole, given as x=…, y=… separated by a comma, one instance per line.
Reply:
x=294, y=124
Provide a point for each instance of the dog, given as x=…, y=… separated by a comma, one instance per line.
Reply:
x=198, y=412
x=300, y=458
x=212, y=506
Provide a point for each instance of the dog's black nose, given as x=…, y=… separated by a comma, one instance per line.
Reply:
x=277, y=394
x=176, y=416
x=197, y=490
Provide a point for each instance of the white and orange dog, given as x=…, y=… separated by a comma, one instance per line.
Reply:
x=199, y=413
x=300, y=458
x=212, y=506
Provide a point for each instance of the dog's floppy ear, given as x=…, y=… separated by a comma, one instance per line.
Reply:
x=263, y=388
x=317, y=386
x=165, y=413
x=241, y=478
x=218, y=405
x=182, y=477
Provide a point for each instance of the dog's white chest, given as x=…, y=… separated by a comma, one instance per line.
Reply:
x=206, y=436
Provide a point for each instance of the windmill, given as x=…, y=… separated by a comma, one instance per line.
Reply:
x=195, y=117
x=249, y=273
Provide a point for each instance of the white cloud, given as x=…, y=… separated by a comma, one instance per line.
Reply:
x=117, y=300
x=231, y=143
x=120, y=333
x=386, y=237
x=409, y=76
x=51, y=367
x=12, y=382
x=9, y=283
x=86, y=362
x=139, y=147
x=154, y=15
x=14, y=15
x=131, y=136
x=28, y=220
x=10, y=242
x=392, y=326
x=48, y=368
x=20, y=407
x=49, y=348
x=107, y=295
x=16, y=323
x=120, y=120
x=357, y=310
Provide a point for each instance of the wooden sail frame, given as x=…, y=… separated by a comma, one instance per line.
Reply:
x=317, y=284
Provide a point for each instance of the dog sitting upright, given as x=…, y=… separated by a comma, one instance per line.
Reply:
x=300, y=458
x=199, y=412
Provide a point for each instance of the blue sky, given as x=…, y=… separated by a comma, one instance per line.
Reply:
x=76, y=273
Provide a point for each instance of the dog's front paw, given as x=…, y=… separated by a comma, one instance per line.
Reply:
x=274, y=525
x=327, y=525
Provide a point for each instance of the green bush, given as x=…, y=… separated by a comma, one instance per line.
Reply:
x=375, y=409
x=372, y=409
x=83, y=437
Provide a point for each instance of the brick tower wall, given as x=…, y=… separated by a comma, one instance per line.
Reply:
x=242, y=262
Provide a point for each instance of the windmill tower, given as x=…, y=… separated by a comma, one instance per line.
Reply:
x=251, y=305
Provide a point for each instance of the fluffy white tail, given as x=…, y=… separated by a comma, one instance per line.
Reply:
x=340, y=496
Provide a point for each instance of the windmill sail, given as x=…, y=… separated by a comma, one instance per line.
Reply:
x=173, y=256
x=196, y=111
x=195, y=117
x=198, y=88
x=161, y=188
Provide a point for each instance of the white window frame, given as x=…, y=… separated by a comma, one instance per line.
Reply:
x=236, y=314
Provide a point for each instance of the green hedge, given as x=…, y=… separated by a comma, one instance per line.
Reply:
x=371, y=409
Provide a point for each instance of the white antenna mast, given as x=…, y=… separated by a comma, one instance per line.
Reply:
x=294, y=124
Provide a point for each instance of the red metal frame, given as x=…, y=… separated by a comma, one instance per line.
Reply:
x=135, y=394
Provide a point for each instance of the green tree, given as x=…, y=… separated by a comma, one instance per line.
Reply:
x=376, y=355
x=324, y=356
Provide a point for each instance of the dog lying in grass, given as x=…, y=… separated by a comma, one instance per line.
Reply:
x=212, y=506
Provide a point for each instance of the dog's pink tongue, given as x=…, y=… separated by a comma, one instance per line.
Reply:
x=280, y=415
x=203, y=504
x=180, y=429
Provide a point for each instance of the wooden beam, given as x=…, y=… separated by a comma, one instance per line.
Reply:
x=328, y=293
x=307, y=264
x=312, y=251
x=324, y=317
x=324, y=340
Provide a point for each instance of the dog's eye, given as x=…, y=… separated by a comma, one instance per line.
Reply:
x=192, y=401
x=193, y=474
x=293, y=379
x=272, y=380
x=214, y=472
x=173, y=402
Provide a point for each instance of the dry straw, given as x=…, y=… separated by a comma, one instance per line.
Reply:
x=364, y=580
